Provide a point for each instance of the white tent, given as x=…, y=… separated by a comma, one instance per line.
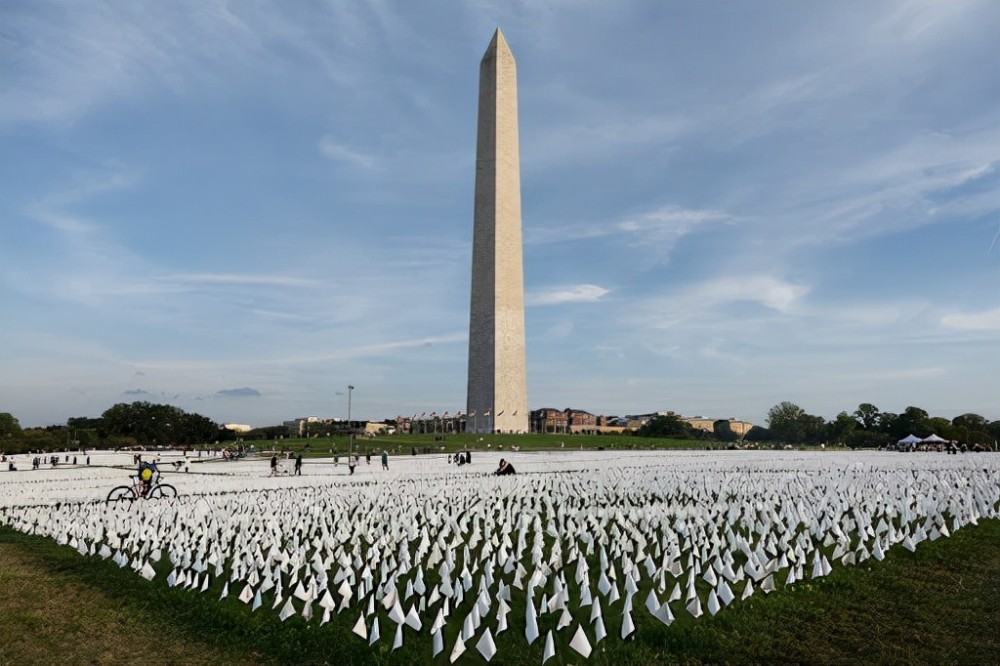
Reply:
x=910, y=440
x=934, y=439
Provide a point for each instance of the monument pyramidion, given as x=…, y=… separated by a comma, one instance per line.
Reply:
x=497, y=391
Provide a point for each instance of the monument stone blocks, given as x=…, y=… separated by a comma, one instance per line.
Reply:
x=497, y=388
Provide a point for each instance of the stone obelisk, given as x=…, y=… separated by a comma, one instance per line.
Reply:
x=498, y=396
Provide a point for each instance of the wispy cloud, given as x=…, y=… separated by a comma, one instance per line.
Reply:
x=549, y=146
x=987, y=320
x=334, y=150
x=728, y=243
x=657, y=231
x=660, y=230
x=695, y=301
x=239, y=280
x=579, y=293
x=767, y=290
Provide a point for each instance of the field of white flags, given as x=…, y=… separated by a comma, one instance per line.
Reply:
x=569, y=554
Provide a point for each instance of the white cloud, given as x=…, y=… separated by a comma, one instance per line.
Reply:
x=660, y=230
x=580, y=293
x=656, y=231
x=329, y=146
x=76, y=59
x=987, y=320
x=767, y=290
x=241, y=280
x=551, y=145
x=560, y=330
x=268, y=263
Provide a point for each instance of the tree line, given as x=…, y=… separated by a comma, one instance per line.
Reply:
x=146, y=424
x=137, y=424
x=867, y=426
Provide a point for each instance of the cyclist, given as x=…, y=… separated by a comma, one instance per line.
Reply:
x=147, y=472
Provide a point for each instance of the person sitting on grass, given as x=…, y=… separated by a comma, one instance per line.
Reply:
x=504, y=469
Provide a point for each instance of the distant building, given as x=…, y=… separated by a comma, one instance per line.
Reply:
x=708, y=425
x=433, y=423
x=297, y=427
x=566, y=420
x=636, y=421
x=548, y=419
x=373, y=428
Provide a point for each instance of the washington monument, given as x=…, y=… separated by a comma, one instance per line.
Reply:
x=498, y=395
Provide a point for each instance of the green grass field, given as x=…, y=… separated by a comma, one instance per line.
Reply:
x=940, y=604
x=449, y=443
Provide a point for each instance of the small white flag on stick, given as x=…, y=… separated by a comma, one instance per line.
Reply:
x=360, y=628
x=550, y=648
x=486, y=646
x=580, y=642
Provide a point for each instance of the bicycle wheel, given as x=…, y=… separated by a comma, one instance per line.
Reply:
x=121, y=494
x=163, y=491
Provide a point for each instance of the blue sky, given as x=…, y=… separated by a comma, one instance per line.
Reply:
x=240, y=208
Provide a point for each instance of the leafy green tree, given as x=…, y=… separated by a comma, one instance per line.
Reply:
x=759, y=434
x=785, y=421
x=40, y=439
x=839, y=430
x=914, y=421
x=942, y=427
x=196, y=429
x=669, y=425
x=993, y=432
x=723, y=431
x=971, y=429
x=970, y=421
x=886, y=422
x=10, y=428
x=83, y=423
x=813, y=429
x=868, y=416
x=147, y=423
x=861, y=438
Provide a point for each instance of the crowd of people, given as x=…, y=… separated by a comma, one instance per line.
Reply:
x=352, y=462
x=52, y=460
x=951, y=448
x=459, y=459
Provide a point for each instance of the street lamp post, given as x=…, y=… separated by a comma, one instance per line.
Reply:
x=350, y=429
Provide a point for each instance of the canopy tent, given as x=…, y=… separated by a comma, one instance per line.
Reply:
x=910, y=440
x=934, y=439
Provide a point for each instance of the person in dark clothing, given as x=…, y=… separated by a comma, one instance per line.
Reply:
x=274, y=465
x=505, y=468
x=298, y=465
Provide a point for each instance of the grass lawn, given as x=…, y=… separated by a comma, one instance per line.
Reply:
x=449, y=443
x=940, y=604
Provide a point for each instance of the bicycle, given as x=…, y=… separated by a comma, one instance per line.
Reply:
x=138, y=490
